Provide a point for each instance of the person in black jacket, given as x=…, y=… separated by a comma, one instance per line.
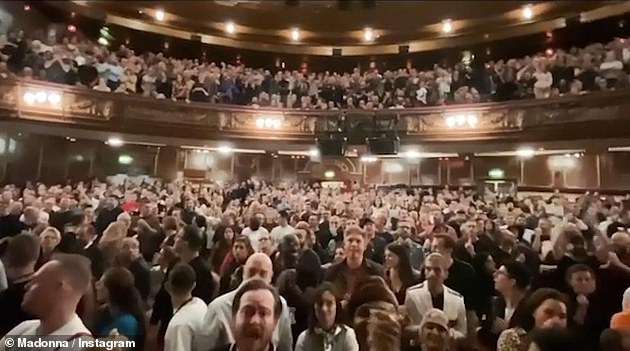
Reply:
x=87, y=237
x=131, y=258
x=107, y=214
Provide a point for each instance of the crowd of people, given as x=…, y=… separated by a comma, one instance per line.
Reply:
x=255, y=266
x=74, y=61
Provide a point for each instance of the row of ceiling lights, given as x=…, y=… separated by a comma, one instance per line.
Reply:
x=369, y=34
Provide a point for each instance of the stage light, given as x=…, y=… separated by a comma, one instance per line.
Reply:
x=41, y=96
x=549, y=52
x=268, y=123
x=450, y=121
x=230, y=27
x=368, y=34
x=329, y=174
x=159, y=15
x=71, y=28
x=115, y=142
x=295, y=34
x=527, y=12
x=447, y=26
x=525, y=152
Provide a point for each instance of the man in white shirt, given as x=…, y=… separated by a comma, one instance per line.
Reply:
x=255, y=231
x=216, y=330
x=188, y=312
x=53, y=296
x=283, y=227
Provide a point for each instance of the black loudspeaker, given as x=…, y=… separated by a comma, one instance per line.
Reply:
x=195, y=37
x=403, y=49
x=334, y=146
x=383, y=145
x=336, y=52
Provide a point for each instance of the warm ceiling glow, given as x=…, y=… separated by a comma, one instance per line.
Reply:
x=525, y=152
x=368, y=34
x=368, y=159
x=527, y=12
x=115, y=142
x=329, y=174
x=225, y=149
x=447, y=26
x=159, y=15
x=230, y=27
x=295, y=34
x=313, y=152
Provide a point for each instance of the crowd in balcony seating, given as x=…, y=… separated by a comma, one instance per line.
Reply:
x=597, y=67
x=290, y=266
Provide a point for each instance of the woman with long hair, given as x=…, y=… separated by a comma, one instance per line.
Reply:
x=122, y=308
x=222, y=246
x=545, y=308
x=325, y=331
x=398, y=271
x=231, y=269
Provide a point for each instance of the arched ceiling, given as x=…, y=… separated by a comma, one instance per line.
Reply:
x=324, y=25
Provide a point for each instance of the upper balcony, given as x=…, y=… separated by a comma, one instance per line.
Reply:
x=595, y=115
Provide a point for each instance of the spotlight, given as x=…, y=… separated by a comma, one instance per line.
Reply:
x=40, y=97
x=368, y=34
x=27, y=7
x=525, y=152
x=71, y=28
x=412, y=154
x=577, y=155
x=54, y=99
x=295, y=34
x=472, y=120
x=549, y=52
x=447, y=26
x=115, y=142
x=159, y=15
x=527, y=12
x=230, y=27
x=29, y=98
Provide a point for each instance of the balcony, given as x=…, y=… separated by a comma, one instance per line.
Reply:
x=596, y=115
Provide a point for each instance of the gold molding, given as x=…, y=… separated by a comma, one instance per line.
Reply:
x=441, y=41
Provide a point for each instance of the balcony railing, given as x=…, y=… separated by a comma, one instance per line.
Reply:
x=33, y=100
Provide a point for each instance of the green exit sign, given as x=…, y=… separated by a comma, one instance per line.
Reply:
x=496, y=173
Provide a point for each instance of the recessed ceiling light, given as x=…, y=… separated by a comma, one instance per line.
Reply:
x=295, y=34
x=115, y=142
x=527, y=12
x=368, y=34
x=447, y=26
x=230, y=27
x=525, y=152
x=159, y=15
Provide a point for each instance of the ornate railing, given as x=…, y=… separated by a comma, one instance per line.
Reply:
x=34, y=100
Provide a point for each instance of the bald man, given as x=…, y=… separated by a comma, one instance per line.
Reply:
x=218, y=320
x=53, y=295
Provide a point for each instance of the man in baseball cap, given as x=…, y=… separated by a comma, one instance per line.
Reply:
x=434, y=332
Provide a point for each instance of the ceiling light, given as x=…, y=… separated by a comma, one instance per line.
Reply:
x=27, y=7
x=525, y=152
x=29, y=98
x=159, y=15
x=527, y=12
x=412, y=154
x=71, y=28
x=230, y=27
x=225, y=150
x=329, y=174
x=103, y=41
x=447, y=26
x=368, y=34
x=295, y=34
x=450, y=121
x=313, y=152
x=41, y=96
x=115, y=142
x=472, y=120
x=368, y=159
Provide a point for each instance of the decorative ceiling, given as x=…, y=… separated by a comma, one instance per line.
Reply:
x=324, y=25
